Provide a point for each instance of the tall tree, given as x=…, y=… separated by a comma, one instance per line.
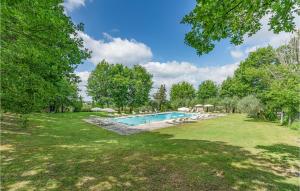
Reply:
x=39, y=51
x=140, y=86
x=207, y=89
x=99, y=84
x=284, y=78
x=182, y=93
x=212, y=20
x=160, y=96
x=120, y=76
x=232, y=87
x=251, y=76
x=119, y=85
x=283, y=94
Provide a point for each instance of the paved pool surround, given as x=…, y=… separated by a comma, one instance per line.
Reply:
x=124, y=129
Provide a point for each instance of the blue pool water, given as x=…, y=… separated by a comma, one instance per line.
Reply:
x=138, y=120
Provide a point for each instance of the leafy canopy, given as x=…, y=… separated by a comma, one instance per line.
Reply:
x=182, y=90
x=272, y=76
x=182, y=94
x=119, y=85
x=207, y=89
x=213, y=20
x=39, y=51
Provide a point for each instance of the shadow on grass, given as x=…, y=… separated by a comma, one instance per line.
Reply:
x=250, y=119
x=292, y=152
x=148, y=161
x=285, y=157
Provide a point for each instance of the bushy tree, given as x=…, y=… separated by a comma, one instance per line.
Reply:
x=207, y=89
x=182, y=93
x=230, y=104
x=283, y=94
x=140, y=86
x=119, y=85
x=250, y=105
x=40, y=49
x=252, y=74
x=99, y=84
x=212, y=21
x=232, y=87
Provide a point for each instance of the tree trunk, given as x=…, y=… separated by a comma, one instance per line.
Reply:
x=290, y=119
x=281, y=117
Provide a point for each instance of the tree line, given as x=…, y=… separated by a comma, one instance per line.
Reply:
x=40, y=50
x=265, y=84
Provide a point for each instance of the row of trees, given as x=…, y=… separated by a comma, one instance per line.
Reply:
x=39, y=51
x=265, y=84
x=272, y=76
x=120, y=86
x=184, y=94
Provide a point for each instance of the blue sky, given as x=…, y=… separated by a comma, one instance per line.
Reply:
x=148, y=32
x=155, y=23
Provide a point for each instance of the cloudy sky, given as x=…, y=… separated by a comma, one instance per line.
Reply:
x=149, y=33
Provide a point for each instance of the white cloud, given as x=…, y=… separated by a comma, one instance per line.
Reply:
x=169, y=73
x=116, y=50
x=237, y=54
x=70, y=5
x=266, y=37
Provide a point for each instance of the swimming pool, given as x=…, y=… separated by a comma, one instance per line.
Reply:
x=138, y=120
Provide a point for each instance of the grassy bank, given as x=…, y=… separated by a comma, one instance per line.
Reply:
x=62, y=152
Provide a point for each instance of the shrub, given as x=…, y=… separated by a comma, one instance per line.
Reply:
x=230, y=104
x=86, y=107
x=250, y=105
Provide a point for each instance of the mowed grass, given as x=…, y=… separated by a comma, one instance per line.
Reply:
x=62, y=152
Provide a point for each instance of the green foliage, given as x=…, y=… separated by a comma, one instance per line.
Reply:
x=77, y=105
x=273, y=77
x=230, y=104
x=139, y=89
x=250, y=105
x=39, y=52
x=181, y=94
x=232, y=87
x=215, y=101
x=252, y=75
x=99, y=84
x=119, y=85
x=283, y=94
x=86, y=107
x=212, y=21
x=160, y=97
x=207, y=89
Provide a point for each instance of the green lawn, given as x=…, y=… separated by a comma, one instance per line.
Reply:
x=62, y=152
